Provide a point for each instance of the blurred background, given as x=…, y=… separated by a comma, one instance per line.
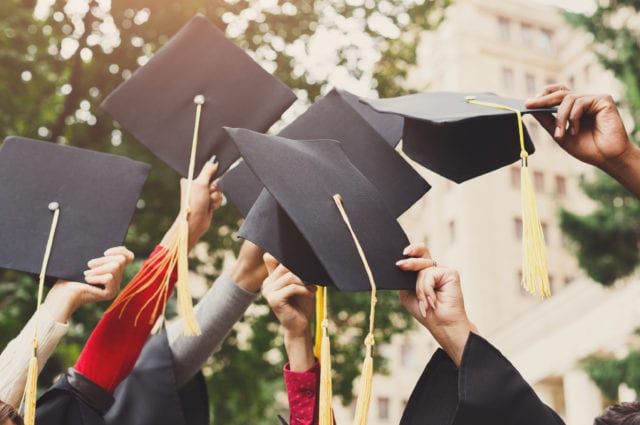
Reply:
x=579, y=349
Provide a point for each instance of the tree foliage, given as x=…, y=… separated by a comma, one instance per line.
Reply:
x=606, y=240
x=60, y=58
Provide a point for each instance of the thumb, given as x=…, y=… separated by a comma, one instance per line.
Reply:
x=270, y=262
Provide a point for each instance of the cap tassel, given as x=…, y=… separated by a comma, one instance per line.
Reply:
x=319, y=318
x=325, y=414
x=177, y=254
x=535, y=276
x=366, y=376
x=31, y=387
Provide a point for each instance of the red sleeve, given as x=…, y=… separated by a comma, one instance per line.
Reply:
x=115, y=344
x=302, y=391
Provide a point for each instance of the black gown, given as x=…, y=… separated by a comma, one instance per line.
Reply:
x=148, y=396
x=486, y=389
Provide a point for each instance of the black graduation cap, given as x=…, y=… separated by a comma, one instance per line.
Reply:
x=362, y=132
x=96, y=194
x=456, y=138
x=156, y=104
x=303, y=177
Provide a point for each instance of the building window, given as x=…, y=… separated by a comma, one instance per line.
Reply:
x=517, y=228
x=515, y=177
x=549, y=81
x=452, y=231
x=507, y=79
x=538, y=181
x=530, y=82
x=383, y=408
x=406, y=355
x=504, y=29
x=561, y=185
x=547, y=41
x=526, y=31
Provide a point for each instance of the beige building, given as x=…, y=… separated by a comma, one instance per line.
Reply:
x=513, y=48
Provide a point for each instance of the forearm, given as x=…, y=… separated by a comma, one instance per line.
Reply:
x=626, y=169
x=14, y=360
x=221, y=307
x=299, y=348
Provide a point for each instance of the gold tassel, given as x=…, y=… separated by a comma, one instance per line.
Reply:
x=366, y=376
x=325, y=413
x=319, y=318
x=177, y=255
x=535, y=276
x=31, y=386
x=366, y=381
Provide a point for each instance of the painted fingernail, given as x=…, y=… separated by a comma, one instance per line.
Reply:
x=422, y=306
x=557, y=133
x=401, y=263
x=406, y=251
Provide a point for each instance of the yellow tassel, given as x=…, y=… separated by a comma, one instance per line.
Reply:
x=31, y=388
x=535, y=276
x=185, y=303
x=366, y=376
x=366, y=381
x=325, y=414
x=319, y=318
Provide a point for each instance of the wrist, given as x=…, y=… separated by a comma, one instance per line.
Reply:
x=61, y=304
x=453, y=338
x=625, y=168
x=299, y=348
x=249, y=274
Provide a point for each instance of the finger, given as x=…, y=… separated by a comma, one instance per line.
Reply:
x=417, y=250
x=121, y=250
x=562, y=117
x=270, y=262
x=548, y=100
x=287, y=293
x=415, y=264
x=580, y=107
x=110, y=267
x=547, y=121
x=208, y=171
x=103, y=292
x=215, y=200
x=101, y=279
x=551, y=88
x=426, y=284
x=288, y=279
x=101, y=261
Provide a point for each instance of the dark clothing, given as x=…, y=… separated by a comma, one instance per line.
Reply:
x=148, y=396
x=486, y=389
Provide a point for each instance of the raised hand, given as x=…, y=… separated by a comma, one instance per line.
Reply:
x=437, y=301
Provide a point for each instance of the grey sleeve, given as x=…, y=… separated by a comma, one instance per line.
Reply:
x=221, y=307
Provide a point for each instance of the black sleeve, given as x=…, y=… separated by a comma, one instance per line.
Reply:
x=486, y=389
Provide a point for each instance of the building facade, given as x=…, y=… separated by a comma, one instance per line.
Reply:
x=513, y=48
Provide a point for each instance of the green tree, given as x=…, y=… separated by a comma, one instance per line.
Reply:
x=606, y=241
x=58, y=62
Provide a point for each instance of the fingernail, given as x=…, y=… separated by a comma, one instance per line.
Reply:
x=431, y=303
x=557, y=133
x=401, y=263
x=86, y=272
x=213, y=159
x=406, y=251
x=423, y=308
x=573, y=131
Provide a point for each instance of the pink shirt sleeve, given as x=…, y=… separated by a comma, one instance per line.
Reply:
x=302, y=391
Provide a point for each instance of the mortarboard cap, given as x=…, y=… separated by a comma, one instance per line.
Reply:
x=96, y=193
x=156, y=104
x=303, y=177
x=455, y=138
x=369, y=148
